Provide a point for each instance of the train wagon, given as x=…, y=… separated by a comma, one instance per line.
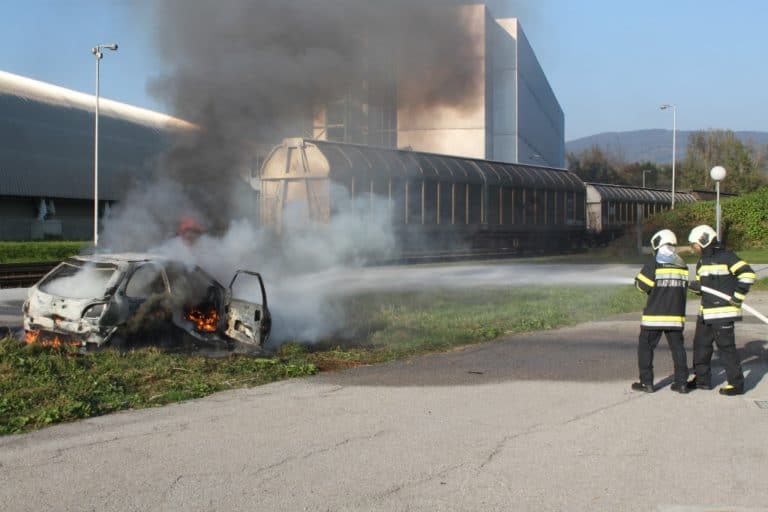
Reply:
x=612, y=209
x=435, y=203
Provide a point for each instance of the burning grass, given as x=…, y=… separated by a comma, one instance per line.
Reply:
x=45, y=385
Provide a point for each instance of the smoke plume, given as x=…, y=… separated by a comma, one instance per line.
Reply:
x=249, y=73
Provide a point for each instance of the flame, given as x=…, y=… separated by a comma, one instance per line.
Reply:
x=52, y=341
x=205, y=321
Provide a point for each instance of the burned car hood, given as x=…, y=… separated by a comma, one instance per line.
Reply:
x=41, y=304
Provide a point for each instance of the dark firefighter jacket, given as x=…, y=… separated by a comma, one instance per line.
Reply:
x=725, y=272
x=666, y=285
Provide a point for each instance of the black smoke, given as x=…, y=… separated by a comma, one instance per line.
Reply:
x=250, y=72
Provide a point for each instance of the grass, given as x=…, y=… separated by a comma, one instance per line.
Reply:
x=387, y=327
x=40, y=386
x=31, y=252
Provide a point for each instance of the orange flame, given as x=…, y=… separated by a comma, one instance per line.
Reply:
x=53, y=341
x=205, y=321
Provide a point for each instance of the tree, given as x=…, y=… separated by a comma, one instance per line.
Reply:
x=656, y=178
x=707, y=149
x=594, y=165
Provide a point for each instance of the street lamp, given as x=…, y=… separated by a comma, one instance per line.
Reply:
x=645, y=171
x=717, y=174
x=96, y=51
x=674, y=146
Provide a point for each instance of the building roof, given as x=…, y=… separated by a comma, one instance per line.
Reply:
x=47, y=141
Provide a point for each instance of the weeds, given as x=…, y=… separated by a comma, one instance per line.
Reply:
x=41, y=386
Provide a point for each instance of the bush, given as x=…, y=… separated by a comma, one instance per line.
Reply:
x=23, y=252
x=744, y=220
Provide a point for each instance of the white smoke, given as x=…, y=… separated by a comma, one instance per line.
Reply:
x=294, y=265
x=87, y=283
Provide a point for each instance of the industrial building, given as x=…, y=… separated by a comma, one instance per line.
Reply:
x=47, y=133
x=47, y=157
x=515, y=116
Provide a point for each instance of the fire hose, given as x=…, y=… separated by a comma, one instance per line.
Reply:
x=746, y=308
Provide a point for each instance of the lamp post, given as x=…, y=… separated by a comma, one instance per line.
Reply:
x=717, y=174
x=96, y=50
x=645, y=171
x=674, y=146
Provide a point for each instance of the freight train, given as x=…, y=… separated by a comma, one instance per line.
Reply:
x=443, y=204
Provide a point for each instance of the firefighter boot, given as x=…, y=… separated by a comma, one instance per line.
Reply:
x=680, y=388
x=639, y=386
x=695, y=384
x=731, y=390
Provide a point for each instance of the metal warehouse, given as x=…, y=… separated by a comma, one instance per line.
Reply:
x=47, y=157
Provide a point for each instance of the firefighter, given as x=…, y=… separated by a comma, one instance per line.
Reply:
x=725, y=272
x=665, y=279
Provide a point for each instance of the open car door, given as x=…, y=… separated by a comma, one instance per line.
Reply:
x=248, y=318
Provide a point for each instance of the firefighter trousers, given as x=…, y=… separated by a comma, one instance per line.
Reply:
x=646, y=344
x=724, y=335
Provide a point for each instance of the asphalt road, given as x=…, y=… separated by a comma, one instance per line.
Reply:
x=537, y=422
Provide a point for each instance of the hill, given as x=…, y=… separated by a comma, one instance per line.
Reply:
x=648, y=145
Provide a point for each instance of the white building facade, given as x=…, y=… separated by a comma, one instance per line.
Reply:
x=515, y=116
x=512, y=115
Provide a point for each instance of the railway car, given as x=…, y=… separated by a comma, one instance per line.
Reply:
x=612, y=209
x=441, y=204
x=436, y=203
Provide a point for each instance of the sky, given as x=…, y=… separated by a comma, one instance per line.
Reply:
x=610, y=63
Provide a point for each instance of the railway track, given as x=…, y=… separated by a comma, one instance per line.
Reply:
x=18, y=275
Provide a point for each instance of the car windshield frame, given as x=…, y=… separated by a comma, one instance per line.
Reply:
x=89, y=279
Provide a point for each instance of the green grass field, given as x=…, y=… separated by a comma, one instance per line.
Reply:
x=41, y=386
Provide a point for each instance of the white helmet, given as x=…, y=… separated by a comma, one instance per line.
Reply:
x=702, y=235
x=663, y=237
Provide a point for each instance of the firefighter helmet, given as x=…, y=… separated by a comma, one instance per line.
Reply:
x=663, y=237
x=702, y=235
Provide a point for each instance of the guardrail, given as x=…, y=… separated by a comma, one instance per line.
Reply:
x=19, y=275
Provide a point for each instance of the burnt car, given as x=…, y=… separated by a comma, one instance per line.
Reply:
x=126, y=300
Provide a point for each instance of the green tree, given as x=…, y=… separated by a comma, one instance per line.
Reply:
x=593, y=164
x=707, y=149
x=656, y=177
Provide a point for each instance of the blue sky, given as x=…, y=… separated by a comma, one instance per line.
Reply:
x=611, y=63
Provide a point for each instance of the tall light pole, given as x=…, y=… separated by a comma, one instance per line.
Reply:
x=674, y=146
x=717, y=174
x=96, y=50
x=645, y=171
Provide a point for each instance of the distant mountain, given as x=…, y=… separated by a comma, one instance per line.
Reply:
x=648, y=145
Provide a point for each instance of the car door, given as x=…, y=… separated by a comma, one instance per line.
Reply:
x=248, y=318
x=145, y=294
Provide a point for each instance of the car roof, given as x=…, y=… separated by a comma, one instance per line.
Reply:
x=123, y=257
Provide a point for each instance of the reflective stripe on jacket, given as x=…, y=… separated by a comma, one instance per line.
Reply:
x=725, y=272
x=666, y=285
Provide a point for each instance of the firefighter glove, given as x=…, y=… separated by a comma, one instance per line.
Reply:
x=695, y=287
x=735, y=302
